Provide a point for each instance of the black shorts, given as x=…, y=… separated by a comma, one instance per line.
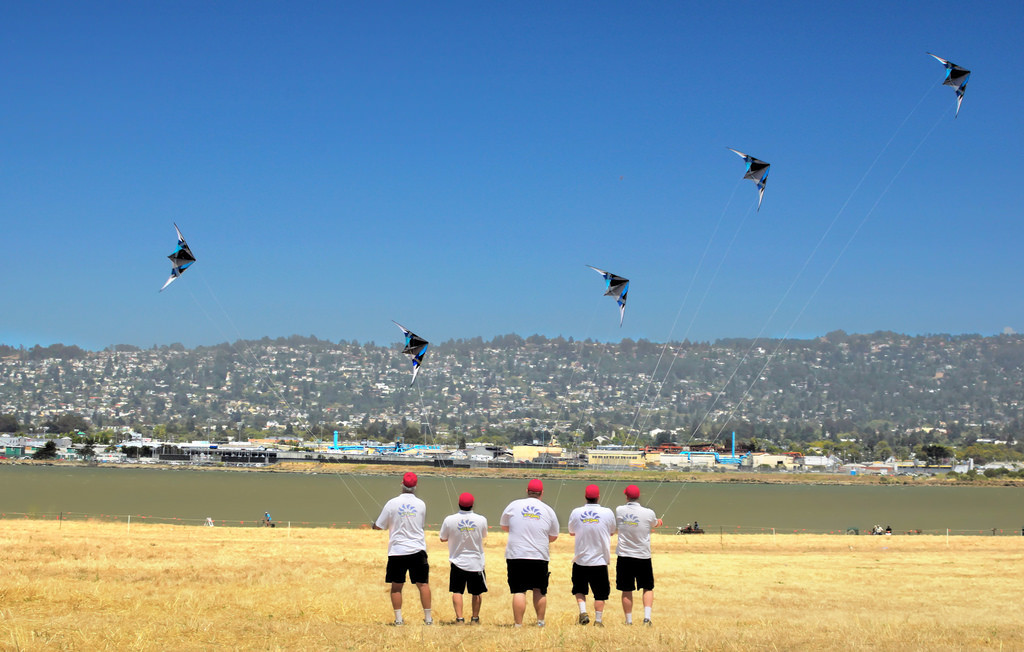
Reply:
x=527, y=574
x=459, y=580
x=596, y=577
x=416, y=564
x=631, y=573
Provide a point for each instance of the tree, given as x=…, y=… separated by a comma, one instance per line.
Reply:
x=9, y=423
x=47, y=452
x=88, y=451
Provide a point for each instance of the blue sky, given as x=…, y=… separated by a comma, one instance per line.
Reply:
x=454, y=166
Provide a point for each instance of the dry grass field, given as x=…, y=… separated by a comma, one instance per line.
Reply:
x=97, y=586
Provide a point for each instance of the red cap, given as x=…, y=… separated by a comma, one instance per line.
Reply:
x=632, y=492
x=535, y=486
x=409, y=479
x=466, y=501
x=592, y=491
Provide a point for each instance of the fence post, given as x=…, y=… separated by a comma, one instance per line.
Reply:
x=947, y=537
x=129, y=524
x=60, y=520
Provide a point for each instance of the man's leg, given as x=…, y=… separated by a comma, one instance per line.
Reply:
x=648, y=603
x=581, y=602
x=424, y=588
x=457, y=604
x=518, y=607
x=627, y=605
x=477, y=600
x=396, y=594
x=540, y=604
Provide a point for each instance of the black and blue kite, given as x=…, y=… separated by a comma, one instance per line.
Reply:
x=957, y=78
x=415, y=348
x=615, y=286
x=181, y=259
x=757, y=171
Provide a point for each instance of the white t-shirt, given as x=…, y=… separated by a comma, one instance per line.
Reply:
x=403, y=517
x=530, y=522
x=593, y=527
x=465, y=532
x=635, y=524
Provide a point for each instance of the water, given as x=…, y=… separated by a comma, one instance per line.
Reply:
x=334, y=500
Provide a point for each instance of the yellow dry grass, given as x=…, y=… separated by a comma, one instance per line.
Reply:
x=97, y=586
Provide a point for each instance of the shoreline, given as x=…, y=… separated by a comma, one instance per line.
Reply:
x=732, y=477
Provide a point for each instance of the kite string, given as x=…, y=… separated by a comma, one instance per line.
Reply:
x=679, y=312
x=828, y=272
x=810, y=256
x=271, y=383
x=803, y=268
x=446, y=480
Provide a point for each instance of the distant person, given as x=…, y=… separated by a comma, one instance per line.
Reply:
x=404, y=516
x=209, y=522
x=465, y=531
x=532, y=526
x=267, y=521
x=592, y=527
x=633, y=569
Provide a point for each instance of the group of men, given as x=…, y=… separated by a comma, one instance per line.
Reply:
x=532, y=526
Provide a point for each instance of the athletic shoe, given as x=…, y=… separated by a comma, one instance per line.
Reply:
x=598, y=623
x=428, y=622
x=647, y=621
x=398, y=623
x=475, y=620
x=540, y=623
x=584, y=619
x=460, y=621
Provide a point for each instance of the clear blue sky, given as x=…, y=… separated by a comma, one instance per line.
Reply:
x=454, y=166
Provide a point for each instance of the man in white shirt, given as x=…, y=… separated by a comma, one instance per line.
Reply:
x=531, y=527
x=592, y=526
x=465, y=531
x=633, y=553
x=403, y=517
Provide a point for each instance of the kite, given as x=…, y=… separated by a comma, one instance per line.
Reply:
x=182, y=259
x=415, y=348
x=757, y=171
x=957, y=78
x=615, y=286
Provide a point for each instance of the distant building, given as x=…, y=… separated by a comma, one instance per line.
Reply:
x=532, y=453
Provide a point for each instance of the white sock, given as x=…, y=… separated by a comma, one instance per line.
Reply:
x=582, y=606
x=629, y=619
x=426, y=615
x=647, y=613
x=398, y=615
x=597, y=615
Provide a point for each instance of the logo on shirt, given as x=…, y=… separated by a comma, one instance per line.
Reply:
x=630, y=520
x=531, y=512
x=466, y=525
x=407, y=510
x=590, y=517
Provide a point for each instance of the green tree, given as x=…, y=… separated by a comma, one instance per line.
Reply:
x=9, y=423
x=88, y=451
x=47, y=452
